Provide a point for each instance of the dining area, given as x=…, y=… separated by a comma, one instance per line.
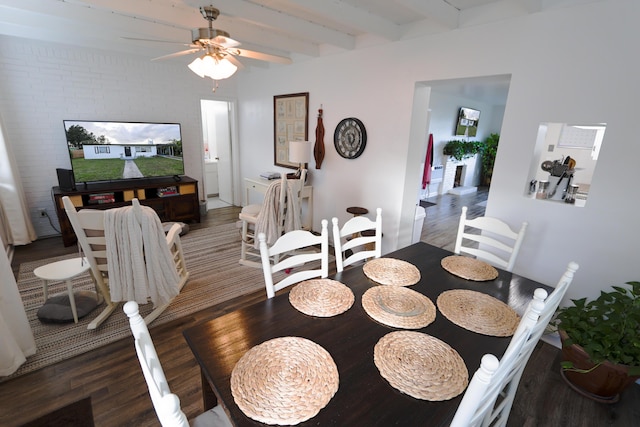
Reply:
x=394, y=340
x=546, y=400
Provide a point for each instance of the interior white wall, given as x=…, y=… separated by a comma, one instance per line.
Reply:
x=43, y=84
x=563, y=69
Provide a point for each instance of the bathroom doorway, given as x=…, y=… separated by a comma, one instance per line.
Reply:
x=218, y=123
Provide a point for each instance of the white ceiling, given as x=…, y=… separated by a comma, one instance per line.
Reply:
x=297, y=29
x=293, y=28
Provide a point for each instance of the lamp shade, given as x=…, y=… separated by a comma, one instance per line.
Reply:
x=197, y=67
x=208, y=66
x=299, y=151
x=222, y=69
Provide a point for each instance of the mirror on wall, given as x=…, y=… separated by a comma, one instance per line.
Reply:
x=564, y=159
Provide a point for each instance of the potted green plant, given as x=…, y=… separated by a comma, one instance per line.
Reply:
x=460, y=149
x=488, y=157
x=601, y=342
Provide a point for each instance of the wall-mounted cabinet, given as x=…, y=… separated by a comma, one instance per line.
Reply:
x=172, y=201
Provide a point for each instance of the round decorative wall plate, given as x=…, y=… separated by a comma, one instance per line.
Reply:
x=350, y=138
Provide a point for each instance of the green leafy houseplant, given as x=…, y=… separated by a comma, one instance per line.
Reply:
x=607, y=328
x=488, y=156
x=459, y=149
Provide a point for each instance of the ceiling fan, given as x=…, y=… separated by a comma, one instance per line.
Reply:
x=220, y=51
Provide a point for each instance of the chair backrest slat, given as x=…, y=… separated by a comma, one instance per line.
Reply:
x=294, y=249
x=493, y=240
x=350, y=237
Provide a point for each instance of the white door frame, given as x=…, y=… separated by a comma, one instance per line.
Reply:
x=219, y=116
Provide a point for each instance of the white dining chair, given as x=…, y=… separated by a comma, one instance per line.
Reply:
x=534, y=331
x=484, y=387
x=165, y=403
x=250, y=214
x=491, y=405
x=489, y=239
x=349, y=237
x=293, y=250
x=476, y=406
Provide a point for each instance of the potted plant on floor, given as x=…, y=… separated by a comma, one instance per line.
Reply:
x=488, y=157
x=601, y=342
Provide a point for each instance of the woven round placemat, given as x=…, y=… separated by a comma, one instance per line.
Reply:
x=478, y=312
x=391, y=271
x=284, y=381
x=321, y=297
x=420, y=365
x=469, y=268
x=398, y=307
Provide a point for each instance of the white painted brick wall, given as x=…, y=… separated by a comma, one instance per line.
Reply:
x=469, y=172
x=43, y=84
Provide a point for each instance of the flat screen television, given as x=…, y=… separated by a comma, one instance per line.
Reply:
x=111, y=151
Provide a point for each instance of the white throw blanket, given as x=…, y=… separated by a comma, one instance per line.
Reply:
x=267, y=221
x=140, y=264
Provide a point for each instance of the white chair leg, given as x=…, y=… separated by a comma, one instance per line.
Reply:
x=103, y=316
x=243, y=247
x=158, y=310
x=72, y=301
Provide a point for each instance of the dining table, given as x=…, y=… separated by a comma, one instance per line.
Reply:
x=363, y=396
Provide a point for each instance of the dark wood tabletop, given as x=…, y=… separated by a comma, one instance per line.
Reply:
x=363, y=397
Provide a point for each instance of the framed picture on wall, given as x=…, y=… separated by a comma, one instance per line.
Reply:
x=467, y=123
x=290, y=123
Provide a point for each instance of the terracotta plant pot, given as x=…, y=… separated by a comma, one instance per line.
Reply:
x=603, y=384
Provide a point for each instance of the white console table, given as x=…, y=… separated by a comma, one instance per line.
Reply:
x=260, y=185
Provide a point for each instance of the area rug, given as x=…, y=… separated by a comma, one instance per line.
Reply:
x=211, y=256
x=426, y=204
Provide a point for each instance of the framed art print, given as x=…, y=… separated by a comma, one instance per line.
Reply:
x=290, y=123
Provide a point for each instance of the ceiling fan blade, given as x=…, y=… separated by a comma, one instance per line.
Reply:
x=175, y=55
x=261, y=56
x=156, y=40
x=235, y=61
x=225, y=42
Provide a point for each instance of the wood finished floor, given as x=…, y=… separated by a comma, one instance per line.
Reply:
x=111, y=375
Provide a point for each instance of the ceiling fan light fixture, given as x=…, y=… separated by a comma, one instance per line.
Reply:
x=221, y=69
x=197, y=66
x=210, y=66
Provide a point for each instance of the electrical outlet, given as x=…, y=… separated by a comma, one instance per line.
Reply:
x=42, y=212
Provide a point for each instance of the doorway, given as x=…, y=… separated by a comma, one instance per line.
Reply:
x=218, y=124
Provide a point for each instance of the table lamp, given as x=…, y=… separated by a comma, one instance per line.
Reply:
x=300, y=152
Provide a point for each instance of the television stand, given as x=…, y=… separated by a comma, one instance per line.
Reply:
x=180, y=205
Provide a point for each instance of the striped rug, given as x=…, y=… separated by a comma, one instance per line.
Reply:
x=211, y=256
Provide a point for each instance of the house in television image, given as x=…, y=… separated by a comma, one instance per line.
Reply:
x=92, y=152
x=126, y=151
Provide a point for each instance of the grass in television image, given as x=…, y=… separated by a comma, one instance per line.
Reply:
x=86, y=170
x=107, y=151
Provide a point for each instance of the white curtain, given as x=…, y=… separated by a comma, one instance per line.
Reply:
x=16, y=337
x=15, y=225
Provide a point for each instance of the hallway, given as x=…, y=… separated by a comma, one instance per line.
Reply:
x=441, y=223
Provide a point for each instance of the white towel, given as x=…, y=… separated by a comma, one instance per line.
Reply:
x=140, y=264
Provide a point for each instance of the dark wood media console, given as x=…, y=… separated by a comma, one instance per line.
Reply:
x=182, y=206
